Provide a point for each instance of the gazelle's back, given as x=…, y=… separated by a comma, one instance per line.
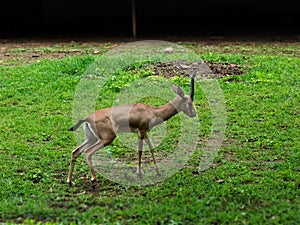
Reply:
x=124, y=118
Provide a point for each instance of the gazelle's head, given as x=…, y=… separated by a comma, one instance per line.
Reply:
x=184, y=102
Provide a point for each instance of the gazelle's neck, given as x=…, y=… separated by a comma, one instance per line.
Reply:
x=168, y=110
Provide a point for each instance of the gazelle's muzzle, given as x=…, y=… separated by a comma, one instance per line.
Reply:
x=192, y=113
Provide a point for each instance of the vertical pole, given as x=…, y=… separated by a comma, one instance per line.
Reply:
x=133, y=9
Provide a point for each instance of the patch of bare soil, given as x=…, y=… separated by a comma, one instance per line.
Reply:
x=207, y=69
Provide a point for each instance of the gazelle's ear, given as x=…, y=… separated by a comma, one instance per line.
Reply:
x=177, y=90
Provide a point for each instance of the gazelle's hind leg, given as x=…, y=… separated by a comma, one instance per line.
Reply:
x=89, y=152
x=92, y=149
x=75, y=153
x=91, y=139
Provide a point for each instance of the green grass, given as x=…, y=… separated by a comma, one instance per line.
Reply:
x=253, y=180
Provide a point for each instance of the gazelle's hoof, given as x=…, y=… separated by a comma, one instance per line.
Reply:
x=139, y=173
x=69, y=182
x=93, y=184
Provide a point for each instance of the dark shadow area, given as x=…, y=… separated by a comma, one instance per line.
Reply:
x=155, y=18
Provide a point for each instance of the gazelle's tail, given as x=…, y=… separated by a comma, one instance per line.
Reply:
x=77, y=125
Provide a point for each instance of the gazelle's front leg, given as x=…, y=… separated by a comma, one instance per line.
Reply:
x=140, y=151
x=152, y=154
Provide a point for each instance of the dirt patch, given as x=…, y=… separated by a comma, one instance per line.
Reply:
x=207, y=69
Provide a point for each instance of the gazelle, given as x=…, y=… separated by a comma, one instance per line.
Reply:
x=102, y=126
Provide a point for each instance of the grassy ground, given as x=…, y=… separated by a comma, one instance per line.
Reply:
x=254, y=179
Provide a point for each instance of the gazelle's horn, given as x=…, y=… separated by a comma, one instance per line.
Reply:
x=192, y=87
